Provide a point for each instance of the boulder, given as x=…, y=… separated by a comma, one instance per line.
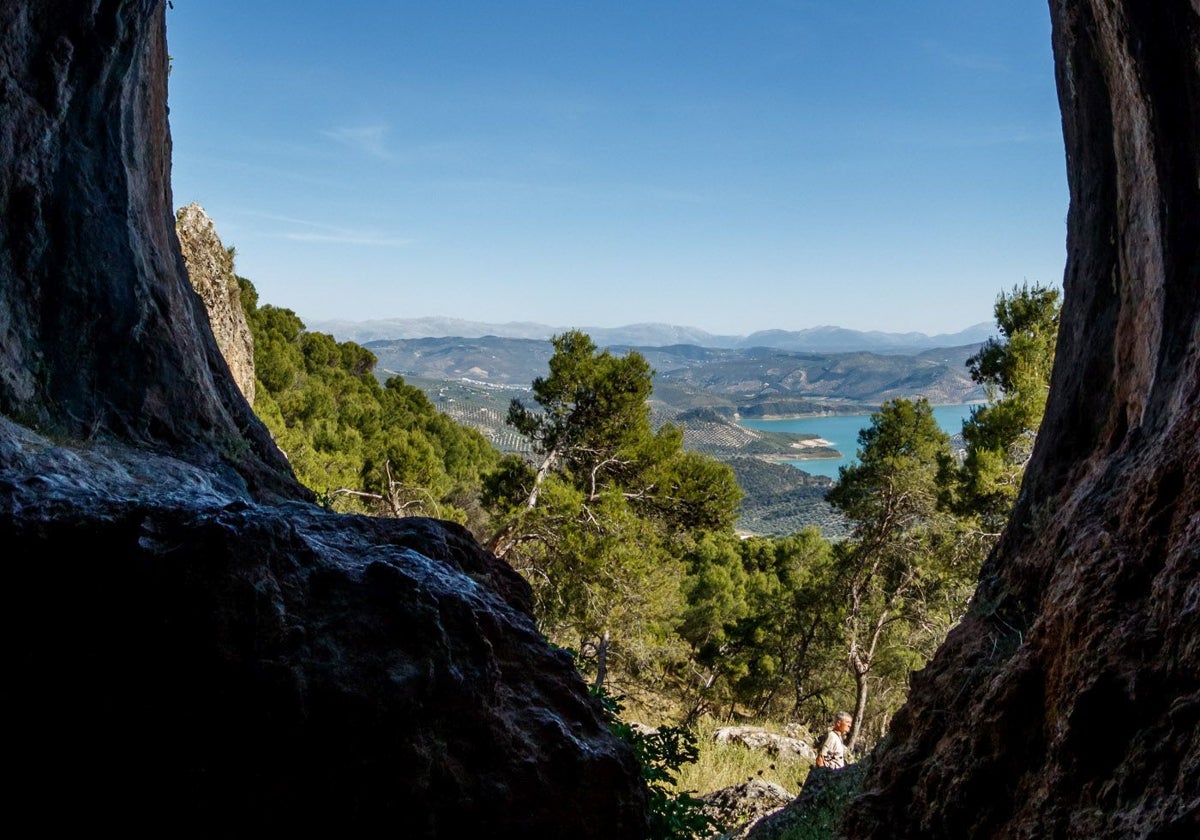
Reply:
x=815, y=811
x=781, y=747
x=738, y=807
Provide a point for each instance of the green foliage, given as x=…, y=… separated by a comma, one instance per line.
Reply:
x=627, y=539
x=999, y=436
x=907, y=566
x=593, y=408
x=674, y=814
x=715, y=589
x=692, y=492
x=593, y=430
x=1020, y=362
x=599, y=522
x=722, y=763
x=892, y=486
x=764, y=625
x=361, y=446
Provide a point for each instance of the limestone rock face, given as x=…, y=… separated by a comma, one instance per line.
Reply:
x=210, y=270
x=1067, y=703
x=191, y=647
x=781, y=747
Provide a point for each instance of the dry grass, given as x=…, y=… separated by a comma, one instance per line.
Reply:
x=725, y=765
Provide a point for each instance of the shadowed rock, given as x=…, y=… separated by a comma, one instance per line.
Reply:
x=814, y=811
x=737, y=808
x=1067, y=704
x=193, y=648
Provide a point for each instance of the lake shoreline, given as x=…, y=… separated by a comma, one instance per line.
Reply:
x=822, y=415
x=839, y=436
x=787, y=457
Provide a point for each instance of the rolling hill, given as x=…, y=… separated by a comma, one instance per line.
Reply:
x=704, y=391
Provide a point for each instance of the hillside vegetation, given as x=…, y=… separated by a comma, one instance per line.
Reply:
x=750, y=382
x=703, y=391
x=627, y=516
x=361, y=445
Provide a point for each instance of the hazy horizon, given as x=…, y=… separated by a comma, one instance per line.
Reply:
x=527, y=322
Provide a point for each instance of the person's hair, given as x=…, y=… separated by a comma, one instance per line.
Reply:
x=843, y=716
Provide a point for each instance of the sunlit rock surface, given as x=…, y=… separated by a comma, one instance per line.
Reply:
x=210, y=271
x=794, y=746
x=191, y=647
x=1067, y=704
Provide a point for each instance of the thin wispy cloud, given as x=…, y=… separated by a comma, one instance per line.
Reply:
x=962, y=137
x=368, y=140
x=942, y=134
x=579, y=192
x=255, y=169
x=326, y=233
x=351, y=238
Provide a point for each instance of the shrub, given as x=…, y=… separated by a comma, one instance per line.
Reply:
x=674, y=814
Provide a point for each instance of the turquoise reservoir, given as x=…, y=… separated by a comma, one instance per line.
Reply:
x=842, y=432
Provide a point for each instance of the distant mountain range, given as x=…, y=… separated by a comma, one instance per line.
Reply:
x=813, y=340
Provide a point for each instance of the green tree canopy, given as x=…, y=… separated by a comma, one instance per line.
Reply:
x=1015, y=370
x=906, y=563
x=594, y=414
x=600, y=519
x=764, y=624
x=360, y=445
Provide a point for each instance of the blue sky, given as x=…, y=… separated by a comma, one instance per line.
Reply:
x=732, y=166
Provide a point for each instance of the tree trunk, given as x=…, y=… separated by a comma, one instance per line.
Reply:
x=860, y=705
x=542, y=472
x=601, y=661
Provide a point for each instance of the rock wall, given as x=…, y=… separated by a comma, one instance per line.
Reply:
x=1067, y=703
x=210, y=270
x=100, y=333
x=190, y=646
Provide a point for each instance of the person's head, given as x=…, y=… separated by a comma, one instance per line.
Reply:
x=842, y=722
